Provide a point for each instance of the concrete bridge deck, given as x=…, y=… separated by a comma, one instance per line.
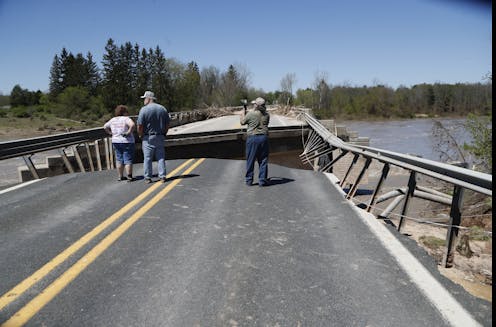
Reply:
x=203, y=249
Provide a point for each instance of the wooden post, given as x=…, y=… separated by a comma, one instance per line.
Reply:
x=32, y=168
x=67, y=163
x=111, y=153
x=97, y=154
x=88, y=154
x=78, y=158
x=107, y=153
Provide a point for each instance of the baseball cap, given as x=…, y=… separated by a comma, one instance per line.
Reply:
x=148, y=94
x=259, y=101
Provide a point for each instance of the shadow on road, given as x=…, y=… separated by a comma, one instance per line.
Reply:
x=170, y=178
x=278, y=180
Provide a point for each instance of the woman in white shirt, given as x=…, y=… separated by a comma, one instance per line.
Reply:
x=121, y=128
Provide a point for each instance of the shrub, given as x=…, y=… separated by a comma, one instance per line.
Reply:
x=432, y=242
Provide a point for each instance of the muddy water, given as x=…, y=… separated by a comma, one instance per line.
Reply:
x=476, y=289
x=413, y=136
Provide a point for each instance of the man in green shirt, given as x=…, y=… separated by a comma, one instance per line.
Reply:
x=257, y=141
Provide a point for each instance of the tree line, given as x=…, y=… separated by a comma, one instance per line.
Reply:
x=80, y=89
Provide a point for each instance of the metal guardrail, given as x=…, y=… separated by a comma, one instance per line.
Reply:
x=26, y=148
x=12, y=149
x=321, y=144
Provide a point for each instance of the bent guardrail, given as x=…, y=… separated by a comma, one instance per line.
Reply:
x=319, y=151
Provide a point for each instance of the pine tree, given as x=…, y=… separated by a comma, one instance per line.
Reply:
x=161, y=85
x=143, y=73
x=56, y=78
x=92, y=78
x=191, y=86
x=110, y=78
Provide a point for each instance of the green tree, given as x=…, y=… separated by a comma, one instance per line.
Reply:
x=110, y=78
x=161, y=82
x=209, y=84
x=69, y=70
x=144, y=68
x=56, y=85
x=23, y=97
x=481, y=130
x=92, y=78
x=233, y=86
x=304, y=97
x=75, y=102
x=191, y=86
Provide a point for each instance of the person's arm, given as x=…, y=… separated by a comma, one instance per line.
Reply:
x=107, y=129
x=243, y=118
x=167, y=123
x=139, y=124
x=131, y=126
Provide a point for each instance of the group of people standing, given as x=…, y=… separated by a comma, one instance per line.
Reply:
x=152, y=126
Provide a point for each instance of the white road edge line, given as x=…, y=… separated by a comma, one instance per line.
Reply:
x=20, y=185
x=451, y=310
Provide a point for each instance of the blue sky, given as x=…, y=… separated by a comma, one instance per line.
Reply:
x=351, y=42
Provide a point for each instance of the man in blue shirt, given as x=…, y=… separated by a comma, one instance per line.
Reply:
x=153, y=124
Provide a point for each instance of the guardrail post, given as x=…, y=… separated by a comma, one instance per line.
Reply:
x=352, y=191
x=333, y=161
x=455, y=220
x=32, y=168
x=385, y=171
x=78, y=158
x=67, y=163
x=355, y=158
x=107, y=160
x=90, y=159
x=111, y=153
x=331, y=158
x=97, y=154
x=412, y=182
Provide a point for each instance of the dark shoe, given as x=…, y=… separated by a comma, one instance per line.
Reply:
x=164, y=179
x=148, y=180
x=121, y=179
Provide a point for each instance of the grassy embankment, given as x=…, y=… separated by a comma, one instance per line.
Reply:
x=13, y=128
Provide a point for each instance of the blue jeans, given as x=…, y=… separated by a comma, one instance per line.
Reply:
x=257, y=148
x=153, y=148
x=124, y=153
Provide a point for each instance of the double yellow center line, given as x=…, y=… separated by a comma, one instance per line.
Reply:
x=36, y=304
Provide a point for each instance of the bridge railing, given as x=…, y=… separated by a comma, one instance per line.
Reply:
x=93, y=137
x=323, y=150
x=100, y=141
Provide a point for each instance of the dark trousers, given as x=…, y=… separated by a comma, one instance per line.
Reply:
x=257, y=148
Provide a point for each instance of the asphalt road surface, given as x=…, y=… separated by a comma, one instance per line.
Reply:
x=202, y=249
x=229, y=122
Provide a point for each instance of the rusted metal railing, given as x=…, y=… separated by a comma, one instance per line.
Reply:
x=320, y=150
